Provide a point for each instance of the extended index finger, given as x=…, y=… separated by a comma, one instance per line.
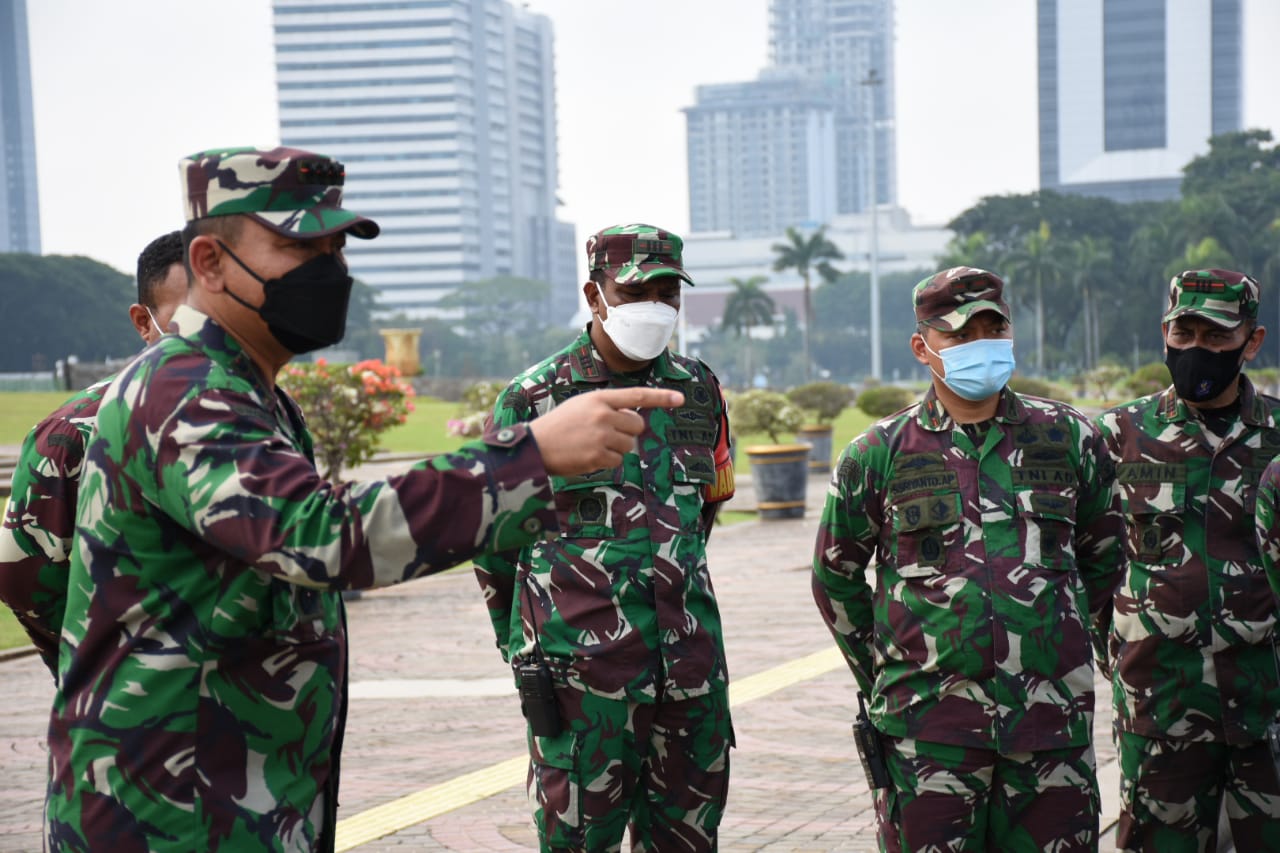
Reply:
x=641, y=398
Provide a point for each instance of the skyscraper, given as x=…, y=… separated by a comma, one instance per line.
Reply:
x=1131, y=91
x=762, y=155
x=19, y=201
x=792, y=147
x=444, y=113
x=841, y=42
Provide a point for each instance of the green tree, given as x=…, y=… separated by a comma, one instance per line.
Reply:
x=805, y=255
x=1090, y=264
x=501, y=319
x=56, y=306
x=1036, y=262
x=746, y=307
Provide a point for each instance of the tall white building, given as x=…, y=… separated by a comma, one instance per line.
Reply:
x=444, y=113
x=1131, y=91
x=19, y=202
x=762, y=155
x=793, y=147
x=841, y=42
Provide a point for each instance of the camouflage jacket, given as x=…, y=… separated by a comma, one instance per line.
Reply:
x=1193, y=614
x=203, y=655
x=40, y=522
x=621, y=603
x=991, y=558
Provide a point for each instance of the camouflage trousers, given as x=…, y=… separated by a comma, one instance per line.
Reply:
x=951, y=798
x=662, y=769
x=1171, y=792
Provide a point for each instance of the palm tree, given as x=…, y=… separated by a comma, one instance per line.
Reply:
x=803, y=254
x=1035, y=261
x=1091, y=262
x=748, y=306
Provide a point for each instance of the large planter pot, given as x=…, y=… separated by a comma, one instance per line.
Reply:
x=779, y=473
x=818, y=435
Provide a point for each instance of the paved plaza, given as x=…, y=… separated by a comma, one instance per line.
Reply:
x=434, y=756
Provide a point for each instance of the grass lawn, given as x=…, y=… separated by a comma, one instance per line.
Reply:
x=423, y=433
x=21, y=410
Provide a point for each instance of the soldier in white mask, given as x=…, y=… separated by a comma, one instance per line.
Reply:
x=613, y=629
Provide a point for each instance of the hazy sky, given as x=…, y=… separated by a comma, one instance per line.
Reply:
x=124, y=89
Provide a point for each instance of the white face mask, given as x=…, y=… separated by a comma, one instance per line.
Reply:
x=640, y=330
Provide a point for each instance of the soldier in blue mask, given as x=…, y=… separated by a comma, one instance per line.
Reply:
x=964, y=564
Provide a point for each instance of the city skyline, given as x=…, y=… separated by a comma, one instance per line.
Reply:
x=157, y=87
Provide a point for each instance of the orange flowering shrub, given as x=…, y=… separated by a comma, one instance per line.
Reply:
x=347, y=406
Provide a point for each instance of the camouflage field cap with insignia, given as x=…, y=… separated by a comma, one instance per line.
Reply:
x=946, y=300
x=634, y=254
x=293, y=192
x=1222, y=297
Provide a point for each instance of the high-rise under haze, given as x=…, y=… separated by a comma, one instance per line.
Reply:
x=793, y=147
x=19, y=201
x=444, y=113
x=1131, y=91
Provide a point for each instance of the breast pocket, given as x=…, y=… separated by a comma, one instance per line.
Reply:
x=1153, y=514
x=586, y=504
x=927, y=533
x=1048, y=522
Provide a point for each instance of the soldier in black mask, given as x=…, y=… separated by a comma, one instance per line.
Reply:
x=1194, y=681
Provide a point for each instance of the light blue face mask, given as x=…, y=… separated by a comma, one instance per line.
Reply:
x=978, y=369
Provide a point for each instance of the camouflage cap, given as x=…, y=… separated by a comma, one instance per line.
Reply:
x=634, y=254
x=293, y=192
x=946, y=300
x=1222, y=297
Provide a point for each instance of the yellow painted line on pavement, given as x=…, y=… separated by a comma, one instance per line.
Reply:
x=471, y=788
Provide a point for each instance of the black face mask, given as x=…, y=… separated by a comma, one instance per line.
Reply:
x=306, y=308
x=1201, y=374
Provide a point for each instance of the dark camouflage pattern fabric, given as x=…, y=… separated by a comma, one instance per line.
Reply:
x=1194, y=616
x=994, y=552
x=621, y=606
x=946, y=300
x=1223, y=297
x=660, y=768
x=203, y=660
x=293, y=192
x=621, y=602
x=40, y=521
x=1171, y=792
x=634, y=254
x=954, y=798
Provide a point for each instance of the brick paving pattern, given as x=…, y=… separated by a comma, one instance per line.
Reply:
x=797, y=785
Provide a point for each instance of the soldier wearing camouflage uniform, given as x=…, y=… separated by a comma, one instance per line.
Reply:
x=986, y=515
x=203, y=658
x=620, y=607
x=35, y=541
x=1194, y=681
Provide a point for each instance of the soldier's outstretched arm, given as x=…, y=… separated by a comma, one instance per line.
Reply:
x=592, y=431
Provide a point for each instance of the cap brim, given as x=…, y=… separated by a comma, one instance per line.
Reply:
x=648, y=272
x=1213, y=317
x=955, y=319
x=319, y=221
